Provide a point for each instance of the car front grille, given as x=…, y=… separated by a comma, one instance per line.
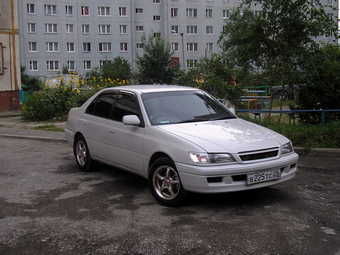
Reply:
x=258, y=155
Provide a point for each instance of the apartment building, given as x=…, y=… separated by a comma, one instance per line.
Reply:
x=9, y=56
x=79, y=35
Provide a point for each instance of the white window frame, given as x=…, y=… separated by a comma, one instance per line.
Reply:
x=85, y=10
x=30, y=26
x=174, y=13
x=32, y=47
x=139, y=45
x=69, y=28
x=191, y=13
x=51, y=28
x=86, y=47
x=192, y=30
x=85, y=29
x=157, y=17
x=210, y=47
x=68, y=10
x=139, y=11
x=209, y=30
x=70, y=47
x=156, y=1
x=105, y=47
x=30, y=8
x=104, y=29
x=139, y=28
x=209, y=13
x=50, y=9
x=191, y=63
x=123, y=29
x=52, y=46
x=225, y=14
x=52, y=65
x=70, y=64
x=175, y=46
x=104, y=11
x=123, y=47
x=174, y=30
x=122, y=12
x=87, y=64
x=192, y=47
x=34, y=66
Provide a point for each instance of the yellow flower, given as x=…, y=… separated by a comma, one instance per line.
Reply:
x=72, y=89
x=77, y=91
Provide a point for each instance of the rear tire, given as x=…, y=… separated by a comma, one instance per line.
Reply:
x=165, y=184
x=82, y=154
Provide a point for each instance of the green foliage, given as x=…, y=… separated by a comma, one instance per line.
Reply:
x=155, y=63
x=321, y=87
x=30, y=84
x=119, y=68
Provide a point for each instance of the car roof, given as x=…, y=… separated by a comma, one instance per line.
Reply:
x=140, y=89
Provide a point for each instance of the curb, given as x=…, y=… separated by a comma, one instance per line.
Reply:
x=41, y=138
x=318, y=151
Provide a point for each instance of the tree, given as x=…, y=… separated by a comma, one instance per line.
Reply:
x=155, y=63
x=30, y=84
x=278, y=39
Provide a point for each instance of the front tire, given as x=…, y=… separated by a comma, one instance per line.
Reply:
x=165, y=184
x=83, y=156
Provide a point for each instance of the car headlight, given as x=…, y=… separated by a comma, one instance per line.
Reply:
x=287, y=148
x=211, y=158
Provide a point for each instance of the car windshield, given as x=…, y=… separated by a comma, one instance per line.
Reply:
x=183, y=107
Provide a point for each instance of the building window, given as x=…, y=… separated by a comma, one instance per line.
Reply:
x=104, y=29
x=225, y=14
x=32, y=47
x=30, y=9
x=104, y=47
x=52, y=47
x=85, y=29
x=210, y=47
x=156, y=1
x=192, y=30
x=69, y=10
x=174, y=12
x=139, y=11
x=69, y=29
x=122, y=12
x=174, y=29
x=123, y=29
x=70, y=47
x=157, y=17
x=86, y=47
x=329, y=2
x=51, y=28
x=157, y=34
x=33, y=65
x=139, y=46
x=85, y=11
x=50, y=9
x=192, y=13
x=87, y=64
x=123, y=47
x=209, y=30
x=191, y=63
x=104, y=11
x=192, y=47
x=139, y=28
x=71, y=66
x=31, y=27
x=208, y=13
x=104, y=62
x=52, y=65
x=174, y=47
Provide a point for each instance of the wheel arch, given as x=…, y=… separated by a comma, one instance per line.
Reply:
x=76, y=135
x=156, y=156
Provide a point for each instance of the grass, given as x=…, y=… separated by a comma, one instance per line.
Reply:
x=49, y=127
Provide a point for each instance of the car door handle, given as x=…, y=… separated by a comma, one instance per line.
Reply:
x=84, y=124
x=111, y=132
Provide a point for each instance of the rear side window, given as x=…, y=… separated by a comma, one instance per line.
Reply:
x=101, y=106
x=126, y=105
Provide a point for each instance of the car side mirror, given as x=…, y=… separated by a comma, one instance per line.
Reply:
x=131, y=120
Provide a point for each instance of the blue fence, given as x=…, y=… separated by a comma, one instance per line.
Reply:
x=323, y=112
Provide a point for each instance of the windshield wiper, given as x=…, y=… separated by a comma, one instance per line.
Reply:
x=193, y=120
x=224, y=118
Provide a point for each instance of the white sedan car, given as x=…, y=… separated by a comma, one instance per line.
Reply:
x=179, y=138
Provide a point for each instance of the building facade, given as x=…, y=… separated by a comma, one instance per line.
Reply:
x=9, y=56
x=79, y=35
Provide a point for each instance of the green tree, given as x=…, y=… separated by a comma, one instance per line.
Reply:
x=30, y=84
x=278, y=39
x=155, y=63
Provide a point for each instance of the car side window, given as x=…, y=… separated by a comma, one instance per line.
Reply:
x=101, y=106
x=126, y=105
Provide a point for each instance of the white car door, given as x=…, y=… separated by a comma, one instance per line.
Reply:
x=125, y=143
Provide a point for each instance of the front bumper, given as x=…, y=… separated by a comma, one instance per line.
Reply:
x=229, y=178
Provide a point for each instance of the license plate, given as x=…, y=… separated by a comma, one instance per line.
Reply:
x=263, y=176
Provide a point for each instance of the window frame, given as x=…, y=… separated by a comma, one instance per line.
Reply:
x=50, y=9
x=30, y=9
x=55, y=65
x=69, y=10
x=100, y=14
x=30, y=47
x=52, y=47
x=54, y=26
x=85, y=31
x=31, y=64
x=85, y=62
x=122, y=11
x=123, y=47
x=192, y=47
x=86, y=47
x=103, y=29
x=85, y=10
x=103, y=45
x=29, y=28
x=69, y=27
x=70, y=46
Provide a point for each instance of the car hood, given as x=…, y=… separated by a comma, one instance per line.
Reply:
x=231, y=136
